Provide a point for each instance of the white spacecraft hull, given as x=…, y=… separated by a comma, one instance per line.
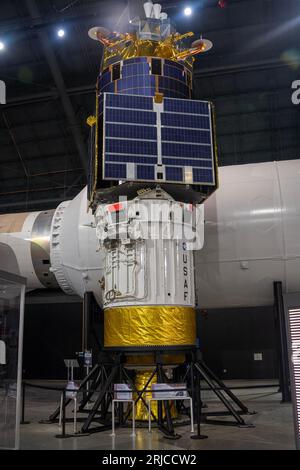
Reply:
x=251, y=235
x=252, y=226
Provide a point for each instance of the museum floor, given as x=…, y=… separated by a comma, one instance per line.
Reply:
x=273, y=427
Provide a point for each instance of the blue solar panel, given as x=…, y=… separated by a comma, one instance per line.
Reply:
x=147, y=160
x=174, y=173
x=172, y=84
x=131, y=131
x=145, y=173
x=115, y=171
x=187, y=106
x=186, y=150
x=189, y=121
x=135, y=69
x=134, y=117
x=171, y=134
x=202, y=176
x=173, y=72
x=132, y=147
x=172, y=63
x=170, y=142
x=138, y=82
x=137, y=60
x=194, y=163
x=129, y=102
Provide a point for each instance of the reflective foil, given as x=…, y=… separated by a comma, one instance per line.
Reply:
x=141, y=412
x=149, y=326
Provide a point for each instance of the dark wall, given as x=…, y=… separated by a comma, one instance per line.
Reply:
x=52, y=332
x=229, y=338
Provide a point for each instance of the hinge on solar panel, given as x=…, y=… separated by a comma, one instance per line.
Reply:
x=91, y=121
x=159, y=98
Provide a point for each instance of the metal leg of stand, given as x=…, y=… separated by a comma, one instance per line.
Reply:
x=226, y=389
x=198, y=436
x=133, y=419
x=96, y=379
x=149, y=415
x=63, y=417
x=60, y=410
x=113, y=419
x=75, y=415
x=192, y=414
x=23, y=404
x=225, y=402
x=97, y=403
x=170, y=427
x=55, y=414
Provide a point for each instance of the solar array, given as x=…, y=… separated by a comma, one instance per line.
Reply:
x=169, y=142
x=140, y=76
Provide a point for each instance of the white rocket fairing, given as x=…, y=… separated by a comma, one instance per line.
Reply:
x=252, y=226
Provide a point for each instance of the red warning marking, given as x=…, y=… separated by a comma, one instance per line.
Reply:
x=115, y=207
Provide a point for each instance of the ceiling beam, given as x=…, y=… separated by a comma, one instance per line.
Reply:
x=61, y=87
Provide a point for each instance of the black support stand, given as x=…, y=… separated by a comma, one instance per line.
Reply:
x=284, y=376
x=197, y=404
x=112, y=369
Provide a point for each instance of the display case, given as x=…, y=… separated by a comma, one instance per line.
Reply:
x=12, y=297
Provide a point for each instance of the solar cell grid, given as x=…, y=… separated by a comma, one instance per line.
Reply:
x=135, y=69
x=170, y=134
x=174, y=173
x=200, y=175
x=145, y=172
x=134, y=147
x=173, y=72
x=188, y=162
x=187, y=106
x=193, y=151
x=148, y=160
x=183, y=144
x=185, y=120
x=129, y=116
x=131, y=132
x=130, y=102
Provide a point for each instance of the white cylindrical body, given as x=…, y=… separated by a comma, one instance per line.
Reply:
x=76, y=260
x=148, y=281
x=148, y=245
x=252, y=236
x=252, y=226
x=25, y=249
x=52, y=249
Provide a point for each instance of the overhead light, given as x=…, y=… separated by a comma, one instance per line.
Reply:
x=188, y=11
x=2, y=46
x=61, y=33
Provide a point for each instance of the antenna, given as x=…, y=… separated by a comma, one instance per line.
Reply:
x=157, y=10
x=148, y=7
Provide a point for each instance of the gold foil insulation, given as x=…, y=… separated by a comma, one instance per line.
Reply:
x=138, y=326
x=141, y=410
x=149, y=360
x=133, y=47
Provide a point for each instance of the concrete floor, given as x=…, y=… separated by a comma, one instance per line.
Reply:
x=273, y=427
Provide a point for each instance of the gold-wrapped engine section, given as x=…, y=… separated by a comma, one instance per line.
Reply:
x=146, y=326
x=141, y=411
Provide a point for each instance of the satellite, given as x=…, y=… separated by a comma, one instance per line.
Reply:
x=148, y=130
